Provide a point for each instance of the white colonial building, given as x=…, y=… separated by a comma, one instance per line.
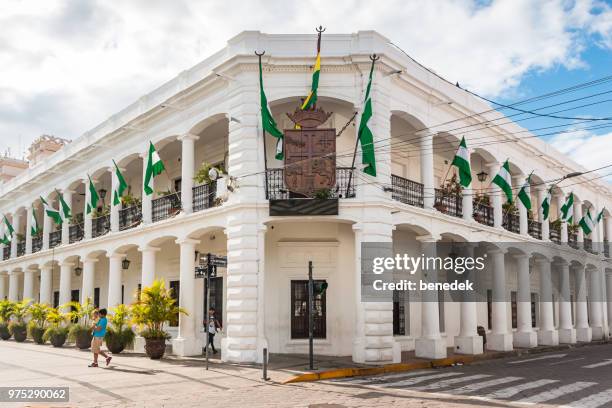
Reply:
x=211, y=114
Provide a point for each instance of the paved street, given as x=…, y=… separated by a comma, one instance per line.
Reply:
x=577, y=378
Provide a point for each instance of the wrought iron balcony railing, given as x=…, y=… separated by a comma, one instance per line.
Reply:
x=166, y=206
x=588, y=245
x=204, y=196
x=278, y=191
x=534, y=228
x=407, y=191
x=554, y=233
x=76, y=233
x=451, y=204
x=36, y=244
x=100, y=226
x=130, y=217
x=483, y=213
x=572, y=239
x=55, y=238
x=6, y=252
x=21, y=248
x=512, y=222
x=606, y=248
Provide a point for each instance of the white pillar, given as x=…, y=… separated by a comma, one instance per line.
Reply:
x=496, y=196
x=583, y=331
x=595, y=301
x=88, y=281
x=467, y=203
x=542, y=191
x=468, y=341
x=114, y=279
x=188, y=342
x=499, y=339
x=547, y=335
x=28, y=241
x=46, y=229
x=45, y=284
x=523, y=218
x=567, y=333
x=2, y=286
x=28, y=284
x=430, y=344
x=560, y=201
x=67, y=195
x=608, y=279
x=187, y=170
x=524, y=336
x=114, y=208
x=65, y=285
x=603, y=304
x=13, y=295
x=87, y=223
x=17, y=227
x=427, y=167
x=148, y=265
x=577, y=218
x=147, y=200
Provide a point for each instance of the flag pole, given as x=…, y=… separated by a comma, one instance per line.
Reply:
x=263, y=132
x=373, y=58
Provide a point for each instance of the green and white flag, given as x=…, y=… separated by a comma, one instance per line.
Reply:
x=587, y=223
x=599, y=216
x=154, y=168
x=9, y=229
x=93, y=196
x=51, y=212
x=34, y=228
x=462, y=162
x=120, y=183
x=567, y=210
x=523, y=195
x=267, y=120
x=64, y=207
x=546, y=204
x=365, y=136
x=504, y=181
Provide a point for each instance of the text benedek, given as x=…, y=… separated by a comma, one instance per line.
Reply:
x=422, y=285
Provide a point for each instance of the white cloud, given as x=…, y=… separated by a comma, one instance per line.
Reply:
x=587, y=149
x=68, y=64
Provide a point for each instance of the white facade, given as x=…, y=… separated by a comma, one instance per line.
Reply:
x=210, y=113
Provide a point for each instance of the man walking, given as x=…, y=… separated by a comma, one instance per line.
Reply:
x=213, y=328
x=99, y=331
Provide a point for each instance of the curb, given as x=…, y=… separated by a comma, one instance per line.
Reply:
x=419, y=365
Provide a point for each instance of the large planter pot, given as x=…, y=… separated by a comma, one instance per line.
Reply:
x=114, y=343
x=20, y=333
x=5, y=333
x=83, y=339
x=37, y=335
x=155, y=348
x=58, y=339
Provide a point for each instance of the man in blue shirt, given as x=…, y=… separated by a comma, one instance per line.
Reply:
x=99, y=330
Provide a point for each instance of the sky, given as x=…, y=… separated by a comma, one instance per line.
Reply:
x=67, y=65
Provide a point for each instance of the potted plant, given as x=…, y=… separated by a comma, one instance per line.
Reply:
x=77, y=219
x=128, y=200
x=6, y=309
x=202, y=176
x=155, y=307
x=80, y=331
x=56, y=333
x=18, y=326
x=38, y=322
x=119, y=334
x=556, y=224
x=452, y=188
x=323, y=194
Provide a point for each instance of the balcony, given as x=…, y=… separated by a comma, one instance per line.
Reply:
x=606, y=248
x=534, y=228
x=588, y=246
x=166, y=206
x=450, y=204
x=130, y=217
x=36, y=244
x=21, y=248
x=483, y=213
x=204, y=196
x=572, y=239
x=55, y=238
x=278, y=191
x=554, y=233
x=75, y=233
x=406, y=191
x=512, y=223
x=100, y=226
x=6, y=252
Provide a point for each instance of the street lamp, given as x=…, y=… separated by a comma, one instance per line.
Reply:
x=125, y=264
x=482, y=176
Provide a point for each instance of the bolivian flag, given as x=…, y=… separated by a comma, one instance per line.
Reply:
x=311, y=99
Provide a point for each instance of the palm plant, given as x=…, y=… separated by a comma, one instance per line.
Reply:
x=6, y=309
x=119, y=333
x=56, y=332
x=80, y=331
x=18, y=326
x=38, y=321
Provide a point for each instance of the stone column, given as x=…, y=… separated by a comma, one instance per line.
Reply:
x=577, y=218
x=595, y=303
x=495, y=196
x=560, y=201
x=608, y=279
x=468, y=341
x=547, y=335
x=28, y=241
x=430, y=344
x=28, y=284
x=583, y=331
x=188, y=342
x=147, y=200
x=46, y=229
x=187, y=170
x=148, y=265
x=17, y=227
x=467, y=202
x=523, y=217
x=567, y=333
x=67, y=195
x=65, y=284
x=524, y=336
x=87, y=223
x=2, y=286
x=114, y=279
x=427, y=167
x=499, y=339
x=542, y=192
x=114, y=208
x=45, y=284
x=13, y=295
x=89, y=276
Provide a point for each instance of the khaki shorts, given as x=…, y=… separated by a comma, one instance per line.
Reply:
x=96, y=344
